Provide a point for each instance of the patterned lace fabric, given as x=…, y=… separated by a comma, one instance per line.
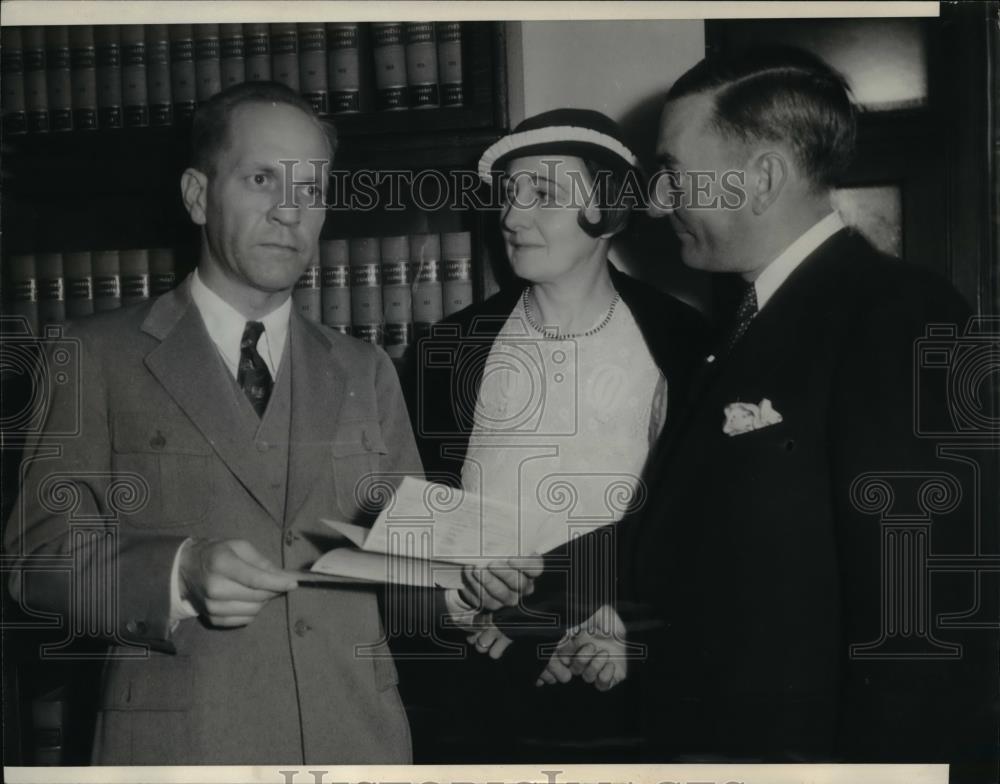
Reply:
x=562, y=426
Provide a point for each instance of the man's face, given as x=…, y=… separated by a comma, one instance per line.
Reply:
x=710, y=232
x=544, y=195
x=261, y=233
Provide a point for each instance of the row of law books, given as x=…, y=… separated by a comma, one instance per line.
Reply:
x=388, y=290
x=61, y=78
x=384, y=290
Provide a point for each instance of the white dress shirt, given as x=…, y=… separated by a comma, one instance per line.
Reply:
x=225, y=326
x=775, y=273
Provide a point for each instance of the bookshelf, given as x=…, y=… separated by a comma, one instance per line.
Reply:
x=118, y=188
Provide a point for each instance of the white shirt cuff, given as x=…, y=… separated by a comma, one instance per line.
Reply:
x=180, y=608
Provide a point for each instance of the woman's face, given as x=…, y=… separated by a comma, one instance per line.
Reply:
x=543, y=196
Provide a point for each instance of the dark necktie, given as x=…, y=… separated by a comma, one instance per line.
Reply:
x=744, y=315
x=253, y=376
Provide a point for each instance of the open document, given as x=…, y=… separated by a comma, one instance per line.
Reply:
x=423, y=537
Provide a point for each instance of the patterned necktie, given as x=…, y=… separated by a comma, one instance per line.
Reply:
x=253, y=376
x=744, y=315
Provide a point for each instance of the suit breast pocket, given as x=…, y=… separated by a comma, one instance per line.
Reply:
x=173, y=458
x=358, y=451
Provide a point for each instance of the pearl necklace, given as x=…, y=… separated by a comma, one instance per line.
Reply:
x=550, y=334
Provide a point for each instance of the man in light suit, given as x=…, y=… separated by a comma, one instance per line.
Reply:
x=236, y=425
x=754, y=573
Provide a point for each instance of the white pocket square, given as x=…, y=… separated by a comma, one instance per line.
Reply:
x=745, y=417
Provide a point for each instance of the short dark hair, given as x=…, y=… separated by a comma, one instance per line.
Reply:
x=210, y=127
x=780, y=93
x=610, y=185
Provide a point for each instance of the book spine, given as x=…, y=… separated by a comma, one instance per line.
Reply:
x=397, y=308
x=425, y=271
x=232, y=53
x=285, y=54
x=336, y=284
x=36, y=91
x=449, y=50
x=23, y=288
x=422, y=65
x=389, y=55
x=257, y=40
x=109, y=76
x=58, y=78
x=135, y=92
x=107, y=280
x=183, y=80
x=344, y=67
x=83, y=76
x=162, y=271
x=312, y=65
x=161, y=111
x=134, y=275
x=306, y=295
x=366, y=290
x=15, y=115
x=456, y=286
x=207, y=65
x=49, y=722
x=79, y=284
x=51, y=288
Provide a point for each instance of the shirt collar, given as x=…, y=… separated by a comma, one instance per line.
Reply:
x=225, y=324
x=775, y=273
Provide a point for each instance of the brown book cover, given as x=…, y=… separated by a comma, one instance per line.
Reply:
x=161, y=110
x=456, y=285
x=58, y=78
x=306, y=294
x=449, y=47
x=344, y=67
x=257, y=44
x=285, y=54
x=335, y=283
x=79, y=284
x=162, y=271
x=134, y=275
x=107, y=280
x=232, y=53
x=107, y=40
x=183, y=79
x=422, y=65
x=366, y=289
x=397, y=308
x=51, y=288
x=135, y=91
x=15, y=114
x=312, y=65
x=36, y=91
x=207, y=63
x=425, y=272
x=22, y=285
x=389, y=54
x=83, y=76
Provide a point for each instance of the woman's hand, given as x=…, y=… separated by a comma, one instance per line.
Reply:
x=596, y=652
x=489, y=639
x=500, y=583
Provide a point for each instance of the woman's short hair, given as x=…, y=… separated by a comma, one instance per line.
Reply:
x=780, y=93
x=610, y=198
x=210, y=127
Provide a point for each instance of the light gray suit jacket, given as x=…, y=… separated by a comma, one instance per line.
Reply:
x=163, y=453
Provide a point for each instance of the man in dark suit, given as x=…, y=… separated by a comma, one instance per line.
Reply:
x=757, y=574
x=216, y=427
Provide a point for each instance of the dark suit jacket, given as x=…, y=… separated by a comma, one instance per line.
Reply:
x=758, y=561
x=155, y=401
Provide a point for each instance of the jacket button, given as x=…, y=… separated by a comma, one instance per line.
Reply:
x=302, y=628
x=136, y=627
x=290, y=537
x=158, y=441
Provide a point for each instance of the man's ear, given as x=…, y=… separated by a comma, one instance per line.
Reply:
x=770, y=171
x=194, y=192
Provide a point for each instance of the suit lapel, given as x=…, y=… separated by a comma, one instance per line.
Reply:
x=187, y=365
x=318, y=382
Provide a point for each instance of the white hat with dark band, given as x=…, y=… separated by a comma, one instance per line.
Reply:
x=582, y=133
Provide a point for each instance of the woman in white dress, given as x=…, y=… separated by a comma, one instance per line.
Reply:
x=556, y=392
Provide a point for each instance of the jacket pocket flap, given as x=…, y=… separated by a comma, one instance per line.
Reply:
x=135, y=432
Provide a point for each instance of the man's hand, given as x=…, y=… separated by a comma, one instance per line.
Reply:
x=228, y=582
x=596, y=652
x=500, y=583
